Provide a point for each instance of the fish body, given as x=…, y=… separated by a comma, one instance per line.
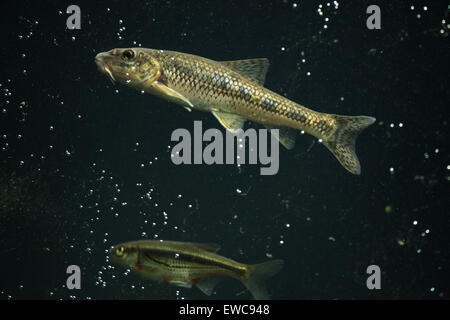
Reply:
x=233, y=91
x=185, y=264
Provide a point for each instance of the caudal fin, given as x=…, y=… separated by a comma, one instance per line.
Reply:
x=258, y=274
x=342, y=144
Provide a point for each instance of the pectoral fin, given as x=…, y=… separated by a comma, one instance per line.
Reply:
x=162, y=90
x=180, y=283
x=286, y=136
x=230, y=121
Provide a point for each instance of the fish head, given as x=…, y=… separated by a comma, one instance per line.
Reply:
x=123, y=254
x=133, y=67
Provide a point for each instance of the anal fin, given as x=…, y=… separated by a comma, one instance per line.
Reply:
x=207, y=286
x=286, y=136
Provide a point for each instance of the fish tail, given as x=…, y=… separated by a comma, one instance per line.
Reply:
x=258, y=274
x=342, y=143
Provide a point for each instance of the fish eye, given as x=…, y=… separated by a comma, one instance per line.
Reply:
x=128, y=54
x=120, y=251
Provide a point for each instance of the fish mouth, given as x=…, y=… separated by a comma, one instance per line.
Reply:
x=108, y=71
x=103, y=67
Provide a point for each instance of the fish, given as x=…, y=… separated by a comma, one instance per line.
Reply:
x=185, y=264
x=234, y=92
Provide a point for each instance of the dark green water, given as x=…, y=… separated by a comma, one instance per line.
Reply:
x=85, y=164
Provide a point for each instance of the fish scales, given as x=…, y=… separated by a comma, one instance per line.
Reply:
x=233, y=91
x=179, y=258
x=213, y=86
x=186, y=264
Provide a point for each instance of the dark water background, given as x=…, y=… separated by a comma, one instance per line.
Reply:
x=73, y=180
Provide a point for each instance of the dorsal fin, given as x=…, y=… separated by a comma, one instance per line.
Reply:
x=254, y=69
x=211, y=247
